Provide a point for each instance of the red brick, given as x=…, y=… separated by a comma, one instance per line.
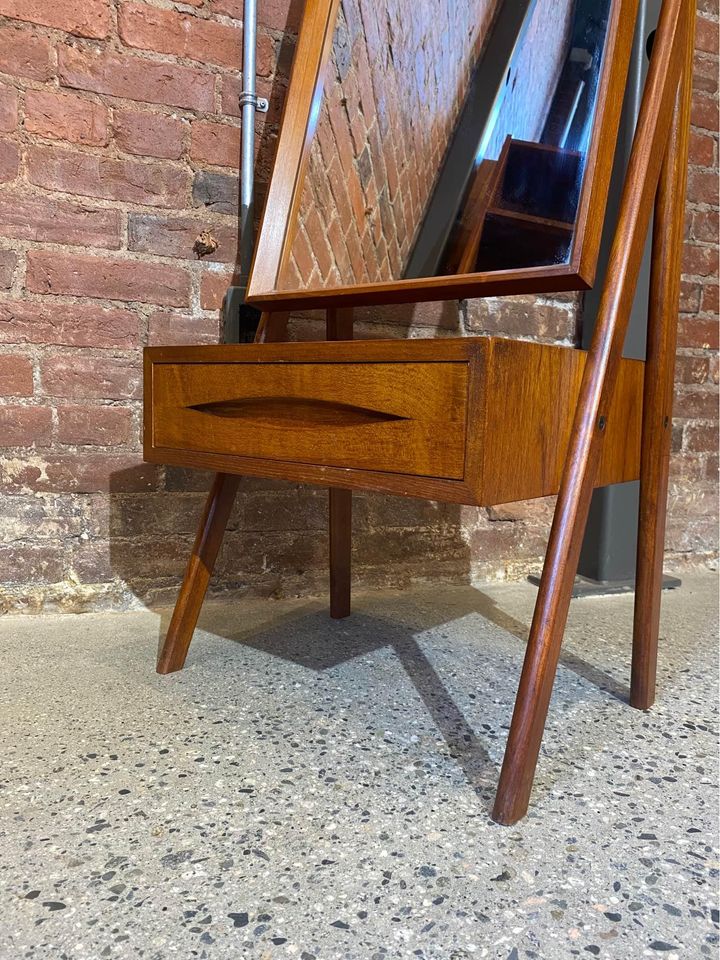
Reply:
x=68, y=324
x=25, y=55
x=31, y=562
x=701, y=437
x=234, y=9
x=58, y=221
x=317, y=237
x=108, y=278
x=708, y=6
x=98, y=378
x=280, y=15
x=692, y=369
x=84, y=18
x=149, y=134
x=704, y=112
x=706, y=35
x=16, y=376
x=147, y=560
x=65, y=116
x=8, y=262
x=302, y=254
x=714, y=371
x=8, y=108
x=213, y=287
x=698, y=333
x=136, y=78
x=516, y=316
x=155, y=514
x=702, y=149
x=90, y=562
x=82, y=473
x=689, y=296
x=705, y=78
x=693, y=403
x=94, y=426
x=216, y=143
x=169, y=329
x=179, y=34
x=710, y=302
x=700, y=261
x=175, y=236
x=704, y=226
x=92, y=175
x=25, y=426
x=39, y=518
x=9, y=161
x=702, y=186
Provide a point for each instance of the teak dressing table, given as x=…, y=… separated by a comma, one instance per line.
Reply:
x=477, y=421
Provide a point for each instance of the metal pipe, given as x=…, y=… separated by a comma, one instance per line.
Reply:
x=247, y=159
x=240, y=320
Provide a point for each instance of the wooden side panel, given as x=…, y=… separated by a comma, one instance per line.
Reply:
x=532, y=392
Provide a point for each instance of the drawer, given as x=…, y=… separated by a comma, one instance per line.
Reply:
x=478, y=421
x=385, y=416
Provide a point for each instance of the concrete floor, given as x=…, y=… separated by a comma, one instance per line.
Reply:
x=312, y=789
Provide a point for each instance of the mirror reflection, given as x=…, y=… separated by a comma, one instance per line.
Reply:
x=453, y=142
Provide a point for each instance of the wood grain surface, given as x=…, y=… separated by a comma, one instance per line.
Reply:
x=477, y=420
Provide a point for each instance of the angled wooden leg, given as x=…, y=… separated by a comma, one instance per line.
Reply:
x=340, y=327
x=272, y=328
x=658, y=395
x=199, y=570
x=551, y=610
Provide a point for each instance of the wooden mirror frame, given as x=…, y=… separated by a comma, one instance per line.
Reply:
x=299, y=121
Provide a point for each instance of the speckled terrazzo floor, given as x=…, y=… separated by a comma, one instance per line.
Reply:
x=321, y=790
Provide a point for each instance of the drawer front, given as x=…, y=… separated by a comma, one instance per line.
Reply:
x=400, y=417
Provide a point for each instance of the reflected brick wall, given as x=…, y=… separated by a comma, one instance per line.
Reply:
x=395, y=85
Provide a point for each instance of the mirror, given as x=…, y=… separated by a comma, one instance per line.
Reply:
x=460, y=141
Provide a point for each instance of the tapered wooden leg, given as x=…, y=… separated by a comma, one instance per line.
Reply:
x=340, y=327
x=658, y=395
x=551, y=610
x=340, y=549
x=199, y=570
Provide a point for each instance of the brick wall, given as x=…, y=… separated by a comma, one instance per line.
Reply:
x=119, y=144
x=384, y=126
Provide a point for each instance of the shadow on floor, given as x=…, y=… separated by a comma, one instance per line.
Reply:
x=305, y=637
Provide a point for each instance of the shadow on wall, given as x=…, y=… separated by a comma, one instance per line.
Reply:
x=276, y=544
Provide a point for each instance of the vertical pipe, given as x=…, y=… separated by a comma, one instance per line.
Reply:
x=247, y=160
